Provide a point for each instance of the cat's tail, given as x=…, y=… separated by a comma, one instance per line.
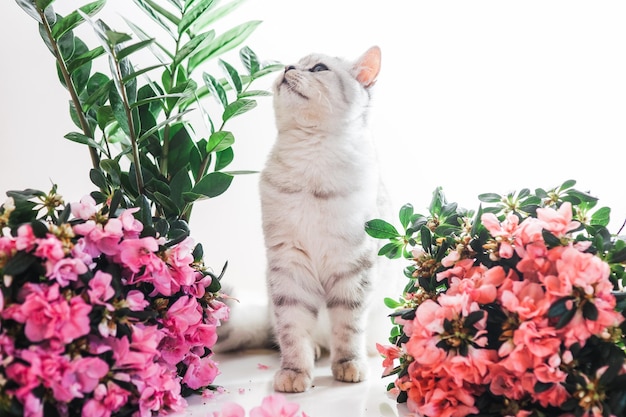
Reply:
x=248, y=326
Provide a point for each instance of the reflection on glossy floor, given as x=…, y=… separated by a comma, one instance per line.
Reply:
x=247, y=378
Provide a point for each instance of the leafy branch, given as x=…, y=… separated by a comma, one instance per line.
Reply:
x=144, y=150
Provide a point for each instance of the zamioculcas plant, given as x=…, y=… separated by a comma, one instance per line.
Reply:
x=106, y=306
x=135, y=119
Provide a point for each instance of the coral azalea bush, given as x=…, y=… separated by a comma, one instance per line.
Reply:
x=513, y=310
x=100, y=315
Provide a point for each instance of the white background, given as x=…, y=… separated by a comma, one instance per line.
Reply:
x=474, y=96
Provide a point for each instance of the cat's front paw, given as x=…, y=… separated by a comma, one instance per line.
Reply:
x=350, y=370
x=290, y=380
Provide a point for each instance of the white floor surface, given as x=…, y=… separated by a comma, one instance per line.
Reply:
x=247, y=378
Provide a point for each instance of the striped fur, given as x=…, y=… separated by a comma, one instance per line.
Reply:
x=319, y=186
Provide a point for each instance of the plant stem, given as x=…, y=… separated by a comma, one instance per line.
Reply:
x=95, y=158
x=131, y=126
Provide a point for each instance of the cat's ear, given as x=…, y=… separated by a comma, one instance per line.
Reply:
x=367, y=67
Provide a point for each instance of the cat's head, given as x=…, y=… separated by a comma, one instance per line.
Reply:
x=325, y=92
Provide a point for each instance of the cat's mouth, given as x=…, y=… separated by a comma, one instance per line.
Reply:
x=291, y=86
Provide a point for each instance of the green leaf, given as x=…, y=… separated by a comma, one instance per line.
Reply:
x=567, y=184
x=380, y=229
x=219, y=141
x=72, y=20
x=85, y=58
x=237, y=108
x=233, y=76
x=254, y=93
x=115, y=38
x=80, y=73
x=195, y=43
x=180, y=148
x=224, y=158
x=150, y=131
x=490, y=198
x=191, y=16
x=213, y=184
x=207, y=18
x=215, y=88
x=223, y=43
x=112, y=168
x=98, y=179
x=167, y=204
x=268, y=70
x=144, y=215
x=119, y=111
x=84, y=140
x=550, y=239
x=152, y=13
x=250, y=60
x=156, y=99
x=426, y=239
x=30, y=9
x=19, y=263
x=157, y=49
x=98, y=88
x=601, y=217
x=392, y=250
x=391, y=303
x=43, y=4
x=559, y=307
x=180, y=183
x=406, y=213
x=129, y=50
x=134, y=75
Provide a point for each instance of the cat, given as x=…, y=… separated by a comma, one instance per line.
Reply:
x=319, y=186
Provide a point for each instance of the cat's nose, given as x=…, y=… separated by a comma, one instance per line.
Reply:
x=289, y=68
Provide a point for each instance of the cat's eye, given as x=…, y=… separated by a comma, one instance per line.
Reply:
x=319, y=67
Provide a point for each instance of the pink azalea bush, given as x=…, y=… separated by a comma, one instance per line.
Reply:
x=515, y=310
x=101, y=315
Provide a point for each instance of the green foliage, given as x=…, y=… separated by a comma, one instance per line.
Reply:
x=134, y=120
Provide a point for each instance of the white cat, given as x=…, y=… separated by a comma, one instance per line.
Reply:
x=319, y=186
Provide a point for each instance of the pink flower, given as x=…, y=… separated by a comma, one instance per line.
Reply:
x=75, y=321
x=106, y=400
x=25, y=238
x=200, y=371
x=390, y=354
x=275, y=406
x=503, y=232
x=37, y=313
x=558, y=222
x=85, y=209
x=100, y=290
x=49, y=248
x=440, y=397
x=230, y=410
x=100, y=239
x=183, y=314
x=136, y=253
x=135, y=301
x=88, y=371
x=32, y=406
x=525, y=298
x=132, y=227
x=47, y=315
x=65, y=270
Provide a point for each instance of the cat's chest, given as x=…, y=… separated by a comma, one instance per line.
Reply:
x=328, y=166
